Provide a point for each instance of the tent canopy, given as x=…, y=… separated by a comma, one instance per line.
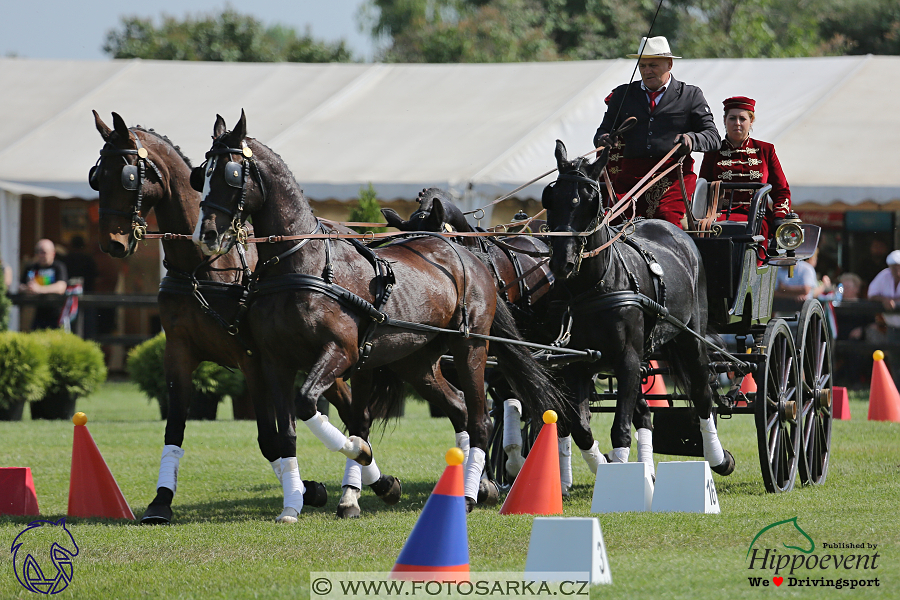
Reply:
x=479, y=130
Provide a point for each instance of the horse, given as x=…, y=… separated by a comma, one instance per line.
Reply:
x=627, y=297
x=526, y=284
x=141, y=170
x=340, y=308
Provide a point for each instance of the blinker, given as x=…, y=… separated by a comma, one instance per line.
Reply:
x=233, y=174
x=130, y=177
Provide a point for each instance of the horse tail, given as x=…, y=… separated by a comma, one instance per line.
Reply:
x=388, y=391
x=530, y=382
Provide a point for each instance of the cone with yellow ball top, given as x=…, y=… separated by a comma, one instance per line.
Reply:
x=537, y=490
x=93, y=491
x=437, y=549
x=884, y=401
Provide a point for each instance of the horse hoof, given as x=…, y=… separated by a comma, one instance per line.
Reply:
x=727, y=466
x=388, y=488
x=157, y=515
x=565, y=492
x=315, y=494
x=364, y=451
x=470, y=504
x=288, y=516
x=514, y=464
x=488, y=492
x=348, y=512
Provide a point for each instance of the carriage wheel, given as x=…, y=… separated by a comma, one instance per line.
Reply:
x=777, y=407
x=816, y=369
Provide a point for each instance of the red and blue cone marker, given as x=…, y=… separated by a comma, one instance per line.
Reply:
x=438, y=547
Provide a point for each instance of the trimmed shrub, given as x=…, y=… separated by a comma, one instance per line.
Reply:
x=367, y=210
x=77, y=366
x=146, y=367
x=24, y=372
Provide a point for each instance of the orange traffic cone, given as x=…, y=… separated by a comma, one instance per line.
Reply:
x=437, y=549
x=537, y=489
x=93, y=491
x=655, y=385
x=884, y=401
x=748, y=386
x=17, y=495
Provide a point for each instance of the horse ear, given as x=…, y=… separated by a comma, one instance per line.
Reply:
x=219, y=128
x=102, y=127
x=562, y=156
x=393, y=219
x=596, y=168
x=240, y=130
x=120, y=127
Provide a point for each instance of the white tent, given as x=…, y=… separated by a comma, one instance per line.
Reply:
x=478, y=129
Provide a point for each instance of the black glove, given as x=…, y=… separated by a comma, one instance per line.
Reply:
x=602, y=141
x=686, y=144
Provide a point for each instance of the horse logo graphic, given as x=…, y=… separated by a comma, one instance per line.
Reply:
x=812, y=544
x=33, y=544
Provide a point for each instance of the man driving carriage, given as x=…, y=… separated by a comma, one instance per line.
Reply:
x=668, y=112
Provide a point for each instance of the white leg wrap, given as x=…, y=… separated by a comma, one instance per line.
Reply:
x=620, y=455
x=168, y=467
x=352, y=474
x=645, y=447
x=462, y=442
x=292, y=484
x=712, y=448
x=474, y=467
x=327, y=433
x=593, y=457
x=512, y=426
x=276, y=468
x=565, y=464
x=370, y=473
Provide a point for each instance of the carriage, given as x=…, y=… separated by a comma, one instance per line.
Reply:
x=788, y=360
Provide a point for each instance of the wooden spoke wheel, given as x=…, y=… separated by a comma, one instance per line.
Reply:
x=777, y=408
x=816, y=368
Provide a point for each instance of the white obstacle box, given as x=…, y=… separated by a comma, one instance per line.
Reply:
x=622, y=487
x=567, y=549
x=685, y=487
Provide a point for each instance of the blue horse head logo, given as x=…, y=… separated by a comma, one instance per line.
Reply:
x=30, y=550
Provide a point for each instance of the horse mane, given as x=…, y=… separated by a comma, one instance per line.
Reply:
x=165, y=139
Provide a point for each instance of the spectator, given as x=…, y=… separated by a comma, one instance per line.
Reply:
x=46, y=275
x=884, y=289
x=802, y=286
x=874, y=263
x=81, y=264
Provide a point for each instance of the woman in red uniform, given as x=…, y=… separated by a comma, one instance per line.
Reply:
x=742, y=159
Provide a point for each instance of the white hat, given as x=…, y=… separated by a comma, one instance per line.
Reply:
x=893, y=258
x=655, y=46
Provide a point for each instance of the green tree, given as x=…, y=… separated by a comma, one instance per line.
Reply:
x=228, y=36
x=367, y=210
x=862, y=26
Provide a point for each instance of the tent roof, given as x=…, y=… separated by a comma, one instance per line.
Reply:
x=481, y=128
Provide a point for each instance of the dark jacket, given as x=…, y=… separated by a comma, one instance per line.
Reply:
x=682, y=109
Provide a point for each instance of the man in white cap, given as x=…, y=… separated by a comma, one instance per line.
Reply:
x=885, y=288
x=668, y=112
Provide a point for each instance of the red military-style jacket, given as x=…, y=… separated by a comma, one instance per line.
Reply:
x=753, y=162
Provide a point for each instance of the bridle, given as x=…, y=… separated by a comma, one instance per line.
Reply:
x=132, y=180
x=235, y=176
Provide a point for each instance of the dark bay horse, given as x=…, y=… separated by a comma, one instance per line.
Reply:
x=139, y=171
x=333, y=307
x=523, y=274
x=607, y=296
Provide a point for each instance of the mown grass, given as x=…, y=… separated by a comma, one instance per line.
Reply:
x=224, y=543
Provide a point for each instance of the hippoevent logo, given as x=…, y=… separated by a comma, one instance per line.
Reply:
x=42, y=556
x=782, y=553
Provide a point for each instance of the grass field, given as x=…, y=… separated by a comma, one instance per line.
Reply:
x=225, y=544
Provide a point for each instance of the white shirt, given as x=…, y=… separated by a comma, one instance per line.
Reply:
x=883, y=285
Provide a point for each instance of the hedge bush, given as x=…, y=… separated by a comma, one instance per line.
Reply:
x=145, y=366
x=77, y=366
x=24, y=368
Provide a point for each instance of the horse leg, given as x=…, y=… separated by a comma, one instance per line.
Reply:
x=578, y=418
x=720, y=460
x=628, y=379
x=644, y=425
x=179, y=363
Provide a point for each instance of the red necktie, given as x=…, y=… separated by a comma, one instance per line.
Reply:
x=653, y=96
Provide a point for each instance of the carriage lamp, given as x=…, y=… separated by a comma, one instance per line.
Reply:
x=789, y=234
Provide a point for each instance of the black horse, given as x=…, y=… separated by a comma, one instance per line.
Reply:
x=333, y=307
x=644, y=291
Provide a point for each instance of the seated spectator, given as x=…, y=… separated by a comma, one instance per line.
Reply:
x=46, y=275
x=885, y=288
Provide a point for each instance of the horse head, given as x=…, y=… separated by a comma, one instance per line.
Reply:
x=436, y=212
x=231, y=187
x=573, y=205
